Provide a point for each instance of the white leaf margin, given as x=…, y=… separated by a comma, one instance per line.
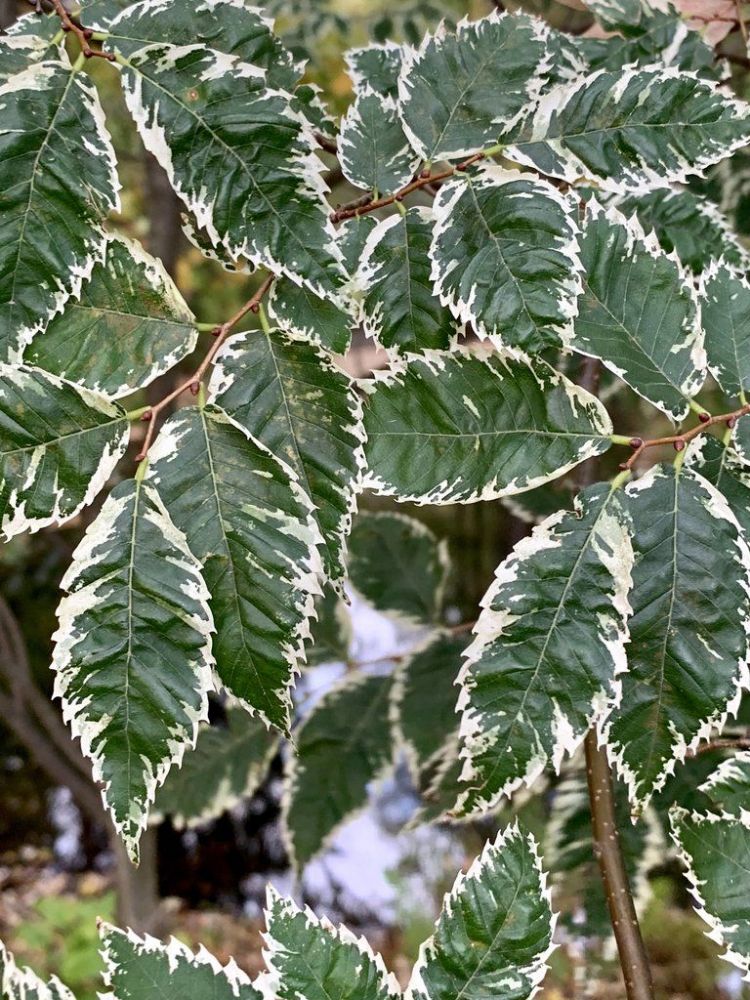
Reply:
x=534, y=972
x=21, y=983
x=434, y=362
x=352, y=122
x=19, y=521
x=491, y=175
x=492, y=623
x=726, y=772
x=77, y=601
x=717, y=507
x=269, y=982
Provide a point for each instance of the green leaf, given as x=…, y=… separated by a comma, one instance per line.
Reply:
x=59, y=444
x=377, y=67
x=463, y=90
x=572, y=862
x=725, y=315
x=352, y=239
x=494, y=934
x=505, y=257
x=133, y=651
x=728, y=788
x=130, y=325
x=331, y=630
x=310, y=958
x=21, y=983
x=457, y=428
x=57, y=176
x=347, y=734
x=228, y=764
x=440, y=785
x=373, y=150
x=689, y=225
x=619, y=15
x=142, y=967
x=256, y=187
x=548, y=650
x=399, y=307
x=632, y=129
x=653, y=341
x=688, y=643
x=716, y=854
x=232, y=27
x=424, y=699
x=28, y=41
x=726, y=469
x=398, y=565
x=306, y=411
x=305, y=316
x=250, y=526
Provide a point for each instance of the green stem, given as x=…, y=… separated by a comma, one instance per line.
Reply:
x=206, y=327
x=134, y=415
x=697, y=408
x=79, y=63
x=621, y=438
x=140, y=472
x=265, y=325
x=621, y=479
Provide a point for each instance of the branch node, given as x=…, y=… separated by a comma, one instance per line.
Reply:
x=636, y=442
x=679, y=444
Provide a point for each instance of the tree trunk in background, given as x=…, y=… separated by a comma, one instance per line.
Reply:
x=8, y=13
x=138, y=888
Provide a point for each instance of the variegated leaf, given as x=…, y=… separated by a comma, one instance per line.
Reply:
x=457, y=428
x=619, y=15
x=505, y=257
x=21, y=983
x=653, y=340
x=373, y=149
x=309, y=957
x=466, y=89
x=29, y=41
x=726, y=469
x=130, y=325
x=256, y=187
x=689, y=225
x=347, y=735
x=423, y=704
x=305, y=316
x=398, y=565
x=632, y=129
x=227, y=765
x=232, y=27
x=133, y=651
x=548, y=650
x=50, y=116
x=725, y=308
x=716, y=855
x=377, y=67
x=304, y=410
x=494, y=934
x=59, y=444
x=249, y=524
x=399, y=307
x=572, y=862
x=728, y=788
x=145, y=967
x=687, y=656
x=352, y=238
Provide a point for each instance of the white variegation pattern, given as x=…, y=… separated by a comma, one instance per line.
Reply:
x=505, y=257
x=373, y=150
x=725, y=304
x=59, y=445
x=21, y=983
x=135, y=618
x=476, y=946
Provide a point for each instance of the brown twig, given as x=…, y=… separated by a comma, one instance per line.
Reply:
x=192, y=384
x=679, y=441
x=329, y=145
x=83, y=35
x=739, y=743
x=606, y=837
x=424, y=180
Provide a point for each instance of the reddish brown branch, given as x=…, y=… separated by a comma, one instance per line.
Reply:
x=83, y=35
x=739, y=743
x=193, y=383
x=425, y=180
x=679, y=441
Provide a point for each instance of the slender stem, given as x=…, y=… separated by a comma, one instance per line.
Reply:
x=424, y=180
x=633, y=958
x=679, y=441
x=740, y=743
x=84, y=35
x=193, y=383
x=607, y=849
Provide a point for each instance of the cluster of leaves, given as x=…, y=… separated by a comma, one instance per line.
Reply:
x=561, y=224
x=493, y=934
